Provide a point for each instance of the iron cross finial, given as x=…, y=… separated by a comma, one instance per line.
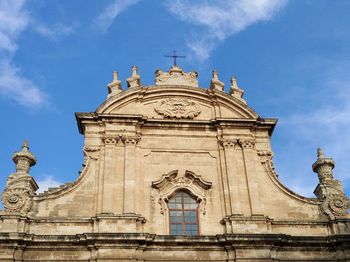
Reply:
x=175, y=56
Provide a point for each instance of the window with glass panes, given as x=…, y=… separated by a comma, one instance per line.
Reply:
x=183, y=214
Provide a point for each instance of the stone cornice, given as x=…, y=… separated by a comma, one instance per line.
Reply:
x=139, y=119
x=242, y=240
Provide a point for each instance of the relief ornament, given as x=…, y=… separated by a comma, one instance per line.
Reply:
x=177, y=108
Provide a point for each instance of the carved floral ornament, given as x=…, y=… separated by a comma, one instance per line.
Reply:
x=171, y=182
x=17, y=200
x=177, y=107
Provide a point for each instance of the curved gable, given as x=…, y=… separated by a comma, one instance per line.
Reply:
x=176, y=102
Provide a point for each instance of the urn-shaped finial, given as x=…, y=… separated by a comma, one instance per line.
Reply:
x=323, y=166
x=24, y=159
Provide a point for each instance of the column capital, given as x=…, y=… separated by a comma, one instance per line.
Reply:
x=131, y=140
x=227, y=143
x=247, y=143
x=110, y=140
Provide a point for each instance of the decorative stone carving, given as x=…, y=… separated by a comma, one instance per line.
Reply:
x=177, y=107
x=115, y=87
x=246, y=143
x=171, y=182
x=17, y=200
x=110, y=140
x=216, y=83
x=335, y=204
x=228, y=142
x=93, y=152
x=131, y=140
x=20, y=187
x=265, y=155
x=134, y=80
x=323, y=167
x=176, y=76
x=235, y=91
x=24, y=159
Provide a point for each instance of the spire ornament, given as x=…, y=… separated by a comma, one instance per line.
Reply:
x=134, y=80
x=20, y=188
x=329, y=191
x=24, y=159
x=114, y=87
x=216, y=83
x=235, y=91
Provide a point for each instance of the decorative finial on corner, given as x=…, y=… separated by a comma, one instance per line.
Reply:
x=234, y=82
x=329, y=191
x=134, y=80
x=25, y=146
x=24, y=159
x=134, y=71
x=115, y=76
x=216, y=83
x=323, y=166
x=114, y=87
x=235, y=91
x=320, y=154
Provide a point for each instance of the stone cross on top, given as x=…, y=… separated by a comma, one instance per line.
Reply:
x=175, y=56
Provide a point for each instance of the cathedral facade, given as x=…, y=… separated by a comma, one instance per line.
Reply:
x=174, y=172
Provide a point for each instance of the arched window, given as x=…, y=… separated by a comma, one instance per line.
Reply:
x=183, y=214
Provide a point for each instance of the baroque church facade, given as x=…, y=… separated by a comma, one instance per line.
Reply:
x=174, y=172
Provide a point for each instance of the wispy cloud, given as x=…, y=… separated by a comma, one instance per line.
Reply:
x=47, y=182
x=104, y=20
x=19, y=88
x=14, y=19
x=327, y=124
x=54, y=32
x=221, y=19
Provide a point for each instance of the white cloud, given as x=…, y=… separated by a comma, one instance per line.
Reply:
x=54, y=32
x=18, y=88
x=46, y=183
x=104, y=20
x=13, y=20
x=220, y=19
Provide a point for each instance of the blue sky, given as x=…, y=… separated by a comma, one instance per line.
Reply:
x=292, y=58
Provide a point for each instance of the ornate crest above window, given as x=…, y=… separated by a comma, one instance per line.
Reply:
x=169, y=183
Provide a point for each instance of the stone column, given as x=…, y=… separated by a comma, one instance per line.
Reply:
x=130, y=173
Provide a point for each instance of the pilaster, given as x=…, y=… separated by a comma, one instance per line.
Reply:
x=109, y=173
x=130, y=162
x=250, y=160
x=224, y=176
